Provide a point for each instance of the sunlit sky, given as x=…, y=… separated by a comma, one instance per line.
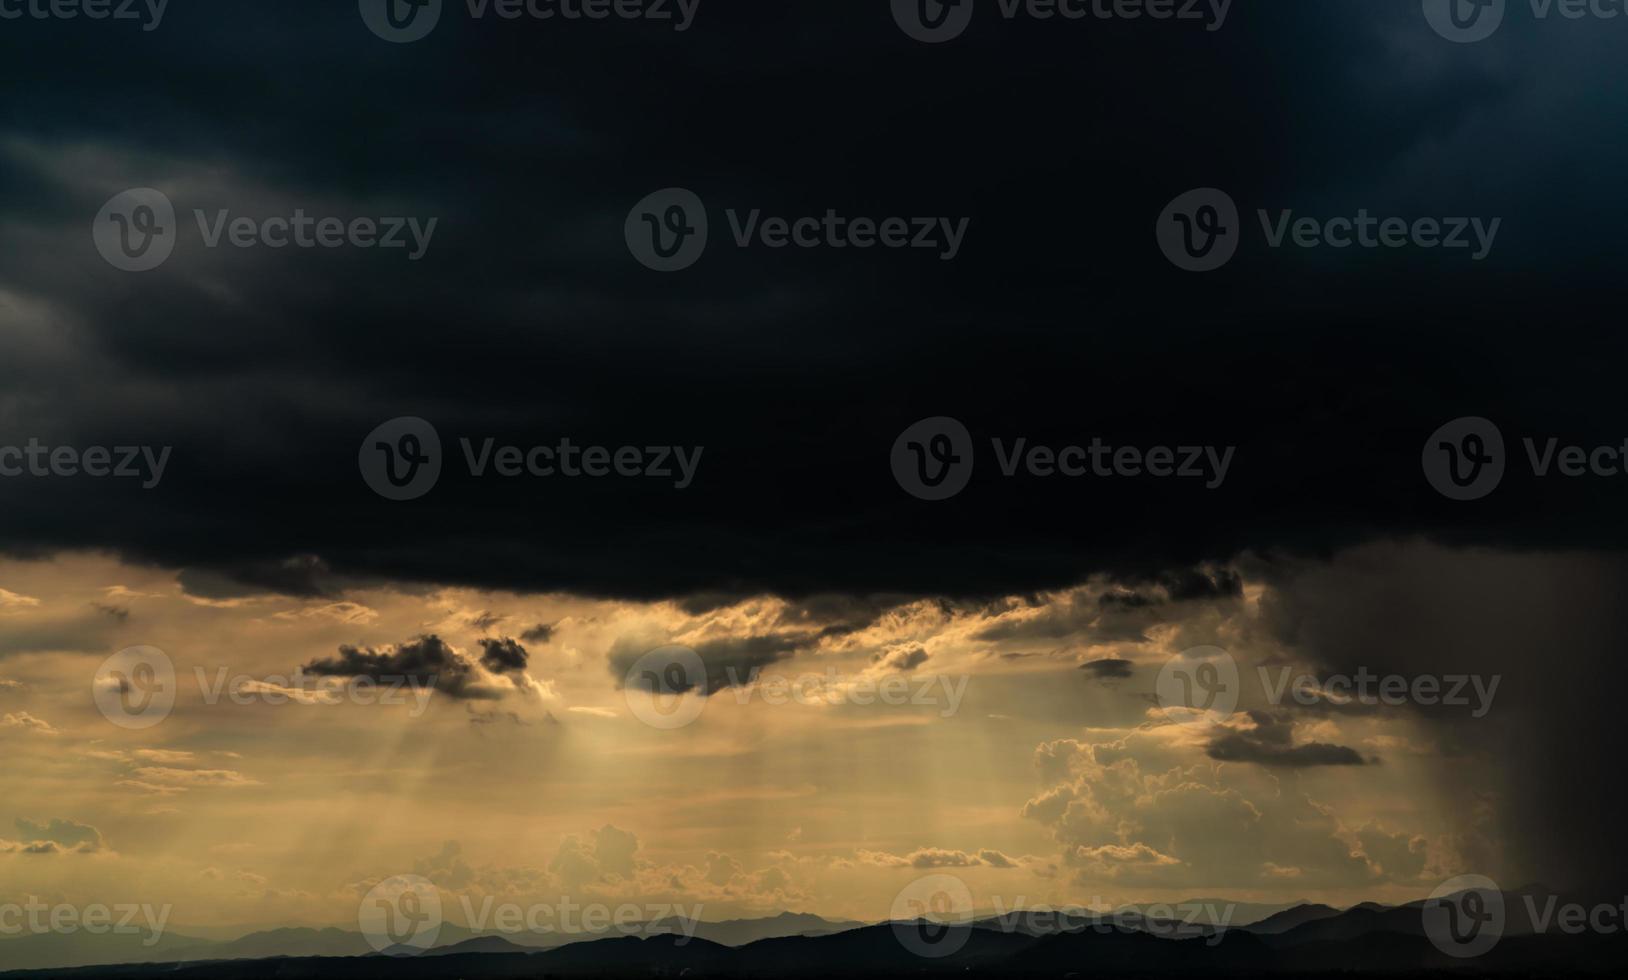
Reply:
x=1034, y=779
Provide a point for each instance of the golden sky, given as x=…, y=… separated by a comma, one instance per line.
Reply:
x=987, y=750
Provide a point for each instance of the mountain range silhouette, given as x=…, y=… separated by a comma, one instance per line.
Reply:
x=1301, y=940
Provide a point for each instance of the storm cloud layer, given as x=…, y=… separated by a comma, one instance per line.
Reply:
x=527, y=320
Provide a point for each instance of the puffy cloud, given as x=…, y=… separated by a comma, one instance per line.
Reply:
x=27, y=722
x=1129, y=810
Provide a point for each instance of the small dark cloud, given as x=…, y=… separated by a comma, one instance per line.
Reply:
x=541, y=633
x=423, y=660
x=1108, y=669
x=119, y=613
x=485, y=620
x=728, y=662
x=502, y=656
x=1271, y=743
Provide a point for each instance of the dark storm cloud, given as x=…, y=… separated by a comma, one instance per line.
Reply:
x=423, y=660
x=502, y=656
x=796, y=369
